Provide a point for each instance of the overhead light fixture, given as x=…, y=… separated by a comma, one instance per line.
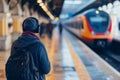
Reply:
x=56, y=18
x=110, y=5
x=44, y=7
x=41, y=4
x=50, y=15
x=100, y=8
x=116, y=3
x=73, y=2
x=104, y=7
x=39, y=1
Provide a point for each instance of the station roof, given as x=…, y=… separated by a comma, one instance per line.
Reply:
x=63, y=7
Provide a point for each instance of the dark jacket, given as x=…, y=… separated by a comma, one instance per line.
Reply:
x=38, y=51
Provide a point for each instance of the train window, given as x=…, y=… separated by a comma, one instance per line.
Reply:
x=99, y=23
x=97, y=19
x=104, y=23
x=81, y=25
x=77, y=25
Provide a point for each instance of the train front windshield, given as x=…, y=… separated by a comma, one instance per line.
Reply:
x=99, y=22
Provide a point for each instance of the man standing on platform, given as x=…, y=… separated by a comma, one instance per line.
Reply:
x=28, y=59
x=60, y=28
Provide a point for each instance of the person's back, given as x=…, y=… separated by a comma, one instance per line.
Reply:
x=29, y=40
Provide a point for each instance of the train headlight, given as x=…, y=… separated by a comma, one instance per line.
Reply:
x=93, y=33
x=107, y=33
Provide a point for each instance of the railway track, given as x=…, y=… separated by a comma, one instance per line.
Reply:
x=110, y=54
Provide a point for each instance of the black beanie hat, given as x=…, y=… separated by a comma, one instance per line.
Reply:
x=31, y=24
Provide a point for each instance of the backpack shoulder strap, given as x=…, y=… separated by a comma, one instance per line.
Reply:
x=33, y=67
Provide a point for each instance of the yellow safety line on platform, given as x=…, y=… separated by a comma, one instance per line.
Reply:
x=80, y=68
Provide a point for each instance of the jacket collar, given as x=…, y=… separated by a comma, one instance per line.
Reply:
x=30, y=33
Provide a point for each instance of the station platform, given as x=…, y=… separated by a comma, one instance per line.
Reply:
x=70, y=60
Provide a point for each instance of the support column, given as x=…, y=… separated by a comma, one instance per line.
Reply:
x=5, y=37
x=17, y=27
x=26, y=12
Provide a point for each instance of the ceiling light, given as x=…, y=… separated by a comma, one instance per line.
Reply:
x=109, y=5
x=100, y=8
x=44, y=7
x=73, y=2
x=56, y=18
x=39, y=1
x=41, y=4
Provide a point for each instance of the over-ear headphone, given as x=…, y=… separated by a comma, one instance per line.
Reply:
x=31, y=24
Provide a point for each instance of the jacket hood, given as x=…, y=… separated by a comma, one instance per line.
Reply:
x=25, y=40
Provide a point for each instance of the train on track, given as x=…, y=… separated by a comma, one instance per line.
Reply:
x=92, y=26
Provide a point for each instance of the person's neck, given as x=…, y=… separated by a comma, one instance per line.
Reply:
x=30, y=33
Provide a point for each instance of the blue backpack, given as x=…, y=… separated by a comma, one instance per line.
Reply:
x=20, y=66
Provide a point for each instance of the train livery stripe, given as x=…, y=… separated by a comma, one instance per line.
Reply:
x=87, y=24
x=80, y=68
